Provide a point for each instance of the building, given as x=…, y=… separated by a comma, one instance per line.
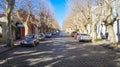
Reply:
x=18, y=34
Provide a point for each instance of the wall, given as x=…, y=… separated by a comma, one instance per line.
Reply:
x=3, y=39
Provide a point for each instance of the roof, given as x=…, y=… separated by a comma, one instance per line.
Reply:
x=2, y=15
x=3, y=19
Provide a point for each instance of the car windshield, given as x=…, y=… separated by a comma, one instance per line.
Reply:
x=29, y=36
x=48, y=33
x=40, y=35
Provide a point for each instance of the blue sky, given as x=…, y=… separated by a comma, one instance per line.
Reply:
x=59, y=7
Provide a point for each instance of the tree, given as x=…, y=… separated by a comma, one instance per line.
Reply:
x=46, y=16
x=24, y=16
x=109, y=20
x=97, y=13
x=81, y=13
x=9, y=8
x=86, y=14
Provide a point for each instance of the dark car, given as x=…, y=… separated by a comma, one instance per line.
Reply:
x=48, y=34
x=29, y=40
x=73, y=33
x=54, y=33
x=40, y=37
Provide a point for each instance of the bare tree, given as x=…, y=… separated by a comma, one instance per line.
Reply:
x=46, y=16
x=109, y=20
x=9, y=8
x=24, y=16
x=80, y=16
x=84, y=14
x=96, y=12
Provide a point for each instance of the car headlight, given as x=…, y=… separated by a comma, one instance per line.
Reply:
x=23, y=42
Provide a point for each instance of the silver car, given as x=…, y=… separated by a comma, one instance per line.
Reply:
x=48, y=34
x=84, y=37
x=40, y=37
x=29, y=40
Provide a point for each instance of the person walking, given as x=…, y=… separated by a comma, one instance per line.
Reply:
x=106, y=35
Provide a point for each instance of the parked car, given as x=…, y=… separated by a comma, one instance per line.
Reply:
x=54, y=33
x=73, y=33
x=84, y=37
x=75, y=36
x=29, y=40
x=48, y=34
x=40, y=36
x=57, y=31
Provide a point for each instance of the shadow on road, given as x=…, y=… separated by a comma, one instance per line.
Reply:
x=60, y=53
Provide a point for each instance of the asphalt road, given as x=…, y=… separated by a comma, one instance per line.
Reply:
x=60, y=51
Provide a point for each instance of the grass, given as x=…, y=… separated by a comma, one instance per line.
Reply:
x=98, y=39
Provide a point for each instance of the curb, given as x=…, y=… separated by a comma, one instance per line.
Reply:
x=9, y=49
x=108, y=46
x=101, y=42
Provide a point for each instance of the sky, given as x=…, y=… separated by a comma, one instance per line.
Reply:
x=59, y=7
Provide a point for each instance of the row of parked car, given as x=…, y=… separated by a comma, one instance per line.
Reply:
x=81, y=36
x=34, y=39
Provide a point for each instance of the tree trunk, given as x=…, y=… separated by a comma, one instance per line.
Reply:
x=94, y=32
x=26, y=28
x=85, y=29
x=10, y=42
x=9, y=8
x=112, y=37
x=36, y=30
x=42, y=30
x=29, y=27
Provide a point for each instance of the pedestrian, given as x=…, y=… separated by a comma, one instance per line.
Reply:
x=106, y=35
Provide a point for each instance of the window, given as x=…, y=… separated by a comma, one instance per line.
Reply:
x=0, y=31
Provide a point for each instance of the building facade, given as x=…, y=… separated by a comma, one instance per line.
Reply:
x=18, y=34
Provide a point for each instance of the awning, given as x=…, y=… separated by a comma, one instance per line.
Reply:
x=20, y=25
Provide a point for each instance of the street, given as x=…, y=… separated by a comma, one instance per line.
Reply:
x=61, y=51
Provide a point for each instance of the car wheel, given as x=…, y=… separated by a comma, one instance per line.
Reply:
x=90, y=40
x=79, y=40
x=37, y=43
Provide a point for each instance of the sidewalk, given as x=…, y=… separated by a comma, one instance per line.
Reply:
x=4, y=48
x=108, y=45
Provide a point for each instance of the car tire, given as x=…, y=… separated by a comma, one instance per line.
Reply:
x=90, y=40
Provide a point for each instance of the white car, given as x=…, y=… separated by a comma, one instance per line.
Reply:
x=84, y=37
